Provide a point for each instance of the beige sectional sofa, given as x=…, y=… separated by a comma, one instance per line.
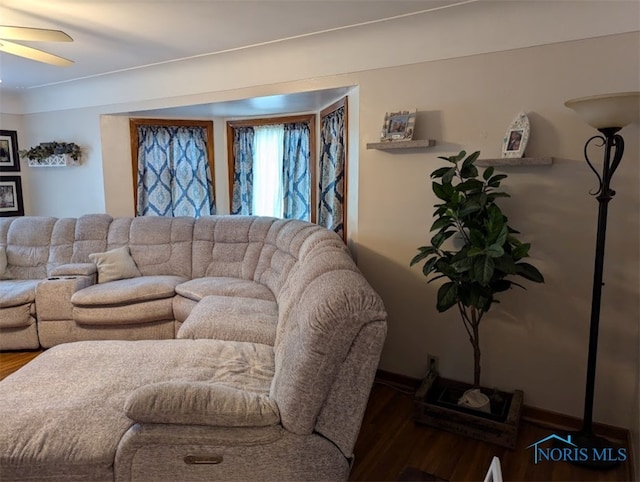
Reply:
x=243, y=349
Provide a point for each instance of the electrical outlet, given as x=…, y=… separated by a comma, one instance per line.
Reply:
x=432, y=364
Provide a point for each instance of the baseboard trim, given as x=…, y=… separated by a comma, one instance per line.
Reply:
x=538, y=416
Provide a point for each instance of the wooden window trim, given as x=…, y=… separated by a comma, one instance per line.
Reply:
x=309, y=118
x=133, y=130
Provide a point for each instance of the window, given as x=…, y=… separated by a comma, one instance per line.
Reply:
x=261, y=177
x=272, y=167
x=172, y=163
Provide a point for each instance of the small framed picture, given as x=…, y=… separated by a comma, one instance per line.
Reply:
x=9, y=160
x=11, y=196
x=517, y=136
x=398, y=126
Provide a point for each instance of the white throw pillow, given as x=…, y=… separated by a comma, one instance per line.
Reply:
x=4, y=269
x=115, y=264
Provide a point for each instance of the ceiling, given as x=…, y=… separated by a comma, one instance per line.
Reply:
x=116, y=35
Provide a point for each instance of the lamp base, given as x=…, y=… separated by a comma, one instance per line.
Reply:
x=595, y=452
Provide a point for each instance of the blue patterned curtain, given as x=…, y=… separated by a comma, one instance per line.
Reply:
x=332, y=171
x=242, y=170
x=296, y=176
x=174, y=177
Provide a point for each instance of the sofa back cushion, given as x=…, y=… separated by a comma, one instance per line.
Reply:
x=158, y=245
x=281, y=251
x=90, y=236
x=228, y=246
x=61, y=244
x=27, y=241
x=323, y=306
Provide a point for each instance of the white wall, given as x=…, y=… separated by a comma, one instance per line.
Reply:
x=68, y=191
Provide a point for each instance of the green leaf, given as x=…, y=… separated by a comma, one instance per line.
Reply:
x=501, y=285
x=440, y=172
x=529, y=272
x=469, y=209
x=460, y=156
x=444, y=266
x=444, y=192
x=497, y=178
x=441, y=237
x=447, y=296
x=493, y=195
x=505, y=264
x=502, y=237
x=521, y=251
x=470, y=185
x=495, y=251
x=462, y=265
x=470, y=171
x=471, y=159
x=483, y=268
x=424, y=252
x=477, y=239
x=443, y=222
x=429, y=266
x=448, y=177
x=488, y=172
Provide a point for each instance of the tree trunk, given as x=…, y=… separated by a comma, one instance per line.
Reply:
x=476, y=347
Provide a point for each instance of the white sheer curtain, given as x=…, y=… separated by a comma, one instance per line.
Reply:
x=268, y=145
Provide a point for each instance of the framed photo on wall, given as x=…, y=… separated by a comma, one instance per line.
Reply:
x=9, y=160
x=398, y=126
x=11, y=196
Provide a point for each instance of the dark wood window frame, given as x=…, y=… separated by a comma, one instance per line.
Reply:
x=133, y=129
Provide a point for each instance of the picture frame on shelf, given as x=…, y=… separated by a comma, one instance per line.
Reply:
x=9, y=160
x=516, y=138
x=398, y=126
x=11, y=203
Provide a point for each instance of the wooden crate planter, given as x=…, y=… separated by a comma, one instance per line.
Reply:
x=434, y=406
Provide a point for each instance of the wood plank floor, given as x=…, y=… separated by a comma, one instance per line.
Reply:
x=390, y=442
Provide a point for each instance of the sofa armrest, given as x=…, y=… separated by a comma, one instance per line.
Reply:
x=53, y=296
x=200, y=403
x=74, y=269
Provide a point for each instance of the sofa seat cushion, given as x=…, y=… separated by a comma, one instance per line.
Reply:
x=232, y=318
x=127, y=291
x=198, y=288
x=124, y=302
x=76, y=428
x=17, y=292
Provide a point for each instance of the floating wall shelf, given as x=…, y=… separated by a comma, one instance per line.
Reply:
x=391, y=145
x=515, y=161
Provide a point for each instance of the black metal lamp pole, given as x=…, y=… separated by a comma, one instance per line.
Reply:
x=611, y=141
x=613, y=150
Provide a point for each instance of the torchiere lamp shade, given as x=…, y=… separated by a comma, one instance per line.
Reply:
x=609, y=110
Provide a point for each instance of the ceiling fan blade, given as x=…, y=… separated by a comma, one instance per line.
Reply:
x=33, y=34
x=33, y=54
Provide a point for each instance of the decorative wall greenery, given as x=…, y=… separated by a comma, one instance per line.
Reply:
x=47, y=149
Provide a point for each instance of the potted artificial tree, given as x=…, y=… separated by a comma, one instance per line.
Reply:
x=483, y=256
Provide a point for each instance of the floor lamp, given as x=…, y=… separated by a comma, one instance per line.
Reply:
x=608, y=114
